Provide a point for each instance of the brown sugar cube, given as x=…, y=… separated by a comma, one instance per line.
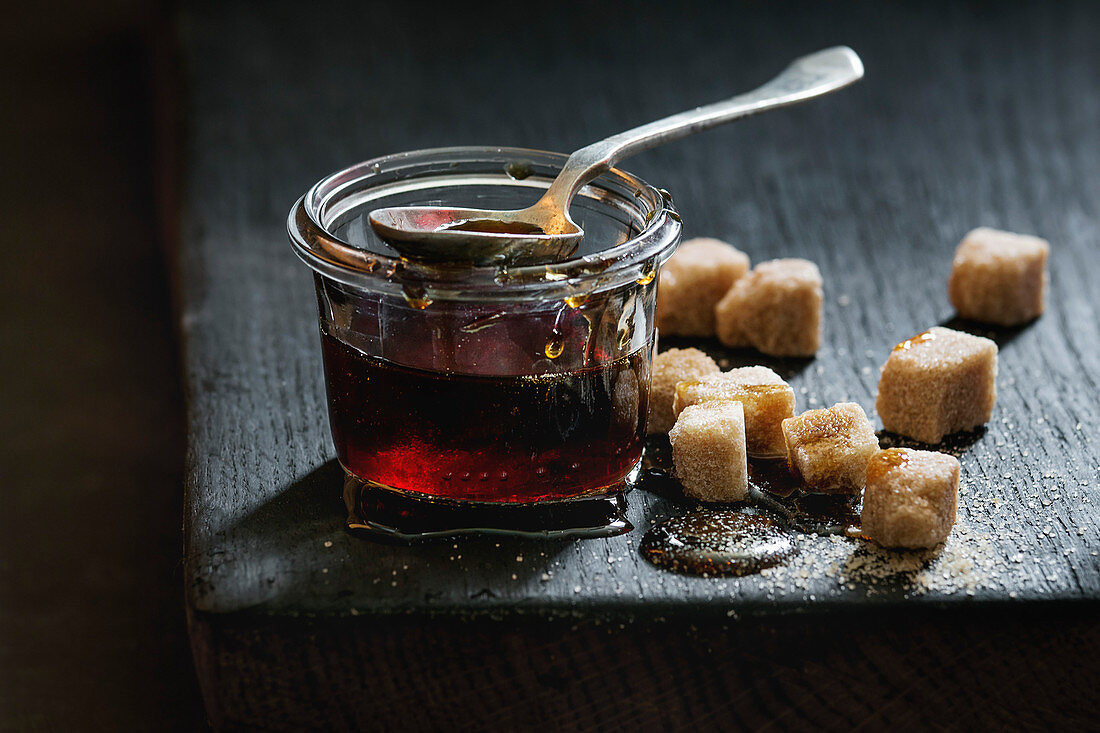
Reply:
x=775, y=309
x=708, y=450
x=670, y=367
x=910, y=497
x=937, y=383
x=829, y=449
x=999, y=277
x=767, y=400
x=692, y=281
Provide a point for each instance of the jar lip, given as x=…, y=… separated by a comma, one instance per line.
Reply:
x=335, y=258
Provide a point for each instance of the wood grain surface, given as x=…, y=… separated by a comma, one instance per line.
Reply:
x=969, y=115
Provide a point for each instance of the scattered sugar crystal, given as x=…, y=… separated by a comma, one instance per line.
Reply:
x=775, y=309
x=670, y=367
x=692, y=281
x=999, y=277
x=966, y=563
x=829, y=449
x=937, y=383
x=708, y=451
x=910, y=497
x=767, y=400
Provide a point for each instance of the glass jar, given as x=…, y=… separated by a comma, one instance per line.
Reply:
x=486, y=384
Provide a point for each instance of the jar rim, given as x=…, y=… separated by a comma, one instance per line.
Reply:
x=330, y=256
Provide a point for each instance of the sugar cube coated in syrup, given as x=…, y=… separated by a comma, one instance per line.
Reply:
x=829, y=449
x=708, y=451
x=775, y=309
x=999, y=277
x=767, y=400
x=692, y=281
x=670, y=367
x=937, y=383
x=910, y=497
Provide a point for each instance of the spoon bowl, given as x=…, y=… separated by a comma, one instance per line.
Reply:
x=543, y=232
x=438, y=233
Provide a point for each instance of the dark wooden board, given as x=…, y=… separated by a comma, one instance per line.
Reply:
x=945, y=670
x=968, y=116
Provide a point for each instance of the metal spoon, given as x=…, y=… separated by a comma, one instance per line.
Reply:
x=544, y=231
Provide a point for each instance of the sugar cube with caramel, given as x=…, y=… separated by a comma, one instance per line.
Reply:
x=829, y=449
x=767, y=400
x=937, y=383
x=910, y=497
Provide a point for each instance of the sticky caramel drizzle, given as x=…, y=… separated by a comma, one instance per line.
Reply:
x=920, y=338
x=885, y=461
x=730, y=391
x=762, y=389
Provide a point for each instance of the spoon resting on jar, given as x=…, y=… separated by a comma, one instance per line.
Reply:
x=544, y=231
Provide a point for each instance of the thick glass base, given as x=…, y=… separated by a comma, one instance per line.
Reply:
x=379, y=513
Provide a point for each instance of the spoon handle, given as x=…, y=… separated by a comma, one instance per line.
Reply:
x=805, y=78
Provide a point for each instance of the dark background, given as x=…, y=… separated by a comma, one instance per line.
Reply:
x=92, y=628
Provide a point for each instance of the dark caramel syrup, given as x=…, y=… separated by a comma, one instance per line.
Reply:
x=514, y=439
x=379, y=513
x=718, y=542
x=771, y=485
x=493, y=226
x=778, y=502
